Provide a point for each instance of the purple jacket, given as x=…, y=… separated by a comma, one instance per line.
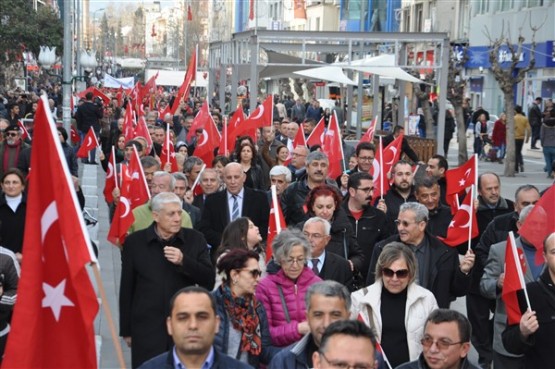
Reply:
x=285, y=333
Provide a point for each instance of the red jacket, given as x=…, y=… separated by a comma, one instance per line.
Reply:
x=499, y=134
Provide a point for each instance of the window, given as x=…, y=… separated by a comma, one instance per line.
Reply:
x=418, y=20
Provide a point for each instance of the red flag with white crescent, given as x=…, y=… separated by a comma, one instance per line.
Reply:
x=168, y=152
x=369, y=134
x=89, y=142
x=261, y=117
x=317, y=135
x=24, y=132
x=514, y=280
x=383, y=162
x=333, y=148
x=465, y=217
x=111, y=177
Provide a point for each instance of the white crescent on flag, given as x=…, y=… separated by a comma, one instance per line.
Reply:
x=204, y=138
x=89, y=141
x=466, y=208
x=110, y=172
x=48, y=218
x=125, y=203
x=376, y=169
x=394, y=151
x=260, y=112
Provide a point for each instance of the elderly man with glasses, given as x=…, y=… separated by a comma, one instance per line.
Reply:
x=11, y=148
x=439, y=269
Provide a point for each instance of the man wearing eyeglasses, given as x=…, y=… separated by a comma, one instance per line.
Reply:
x=11, y=148
x=369, y=222
x=439, y=269
x=446, y=342
x=346, y=344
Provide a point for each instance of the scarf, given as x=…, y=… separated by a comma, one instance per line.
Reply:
x=11, y=153
x=244, y=319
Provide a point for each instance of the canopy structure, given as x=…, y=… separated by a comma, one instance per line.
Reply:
x=382, y=65
x=327, y=73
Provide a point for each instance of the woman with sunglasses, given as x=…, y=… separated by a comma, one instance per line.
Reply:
x=282, y=292
x=395, y=306
x=244, y=332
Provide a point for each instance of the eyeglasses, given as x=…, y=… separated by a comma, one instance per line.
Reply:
x=366, y=189
x=345, y=365
x=316, y=236
x=12, y=134
x=405, y=223
x=401, y=273
x=442, y=344
x=299, y=261
x=256, y=273
x=365, y=158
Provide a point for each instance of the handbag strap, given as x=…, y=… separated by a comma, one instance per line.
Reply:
x=283, y=304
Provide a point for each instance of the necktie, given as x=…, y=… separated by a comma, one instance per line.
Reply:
x=235, y=209
x=315, y=266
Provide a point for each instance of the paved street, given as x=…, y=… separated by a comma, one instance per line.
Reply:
x=110, y=259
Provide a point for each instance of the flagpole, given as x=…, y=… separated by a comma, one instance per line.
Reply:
x=476, y=169
x=275, y=205
x=381, y=168
x=519, y=269
x=106, y=308
x=471, y=214
x=225, y=135
x=167, y=143
x=198, y=177
x=340, y=141
x=114, y=166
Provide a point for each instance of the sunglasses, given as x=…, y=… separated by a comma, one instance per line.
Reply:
x=256, y=273
x=12, y=134
x=401, y=273
x=441, y=344
x=404, y=223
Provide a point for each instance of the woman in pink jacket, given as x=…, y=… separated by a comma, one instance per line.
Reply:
x=283, y=292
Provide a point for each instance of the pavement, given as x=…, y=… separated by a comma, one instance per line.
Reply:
x=93, y=177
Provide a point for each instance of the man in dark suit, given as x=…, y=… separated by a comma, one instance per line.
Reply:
x=326, y=265
x=236, y=201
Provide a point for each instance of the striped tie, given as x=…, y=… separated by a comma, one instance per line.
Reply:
x=235, y=210
x=315, y=266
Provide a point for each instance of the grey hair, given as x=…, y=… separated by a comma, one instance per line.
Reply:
x=392, y=252
x=163, y=198
x=279, y=170
x=328, y=288
x=149, y=162
x=327, y=225
x=210, y=170
x=316, y=155
x=286, y=240
x=525, y=212
x=420, y=211
x=190, y=163
x=178, y=176
x=161, y=173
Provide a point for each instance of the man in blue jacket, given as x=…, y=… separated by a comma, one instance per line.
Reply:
x=193, y=324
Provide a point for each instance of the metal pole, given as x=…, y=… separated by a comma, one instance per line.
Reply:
x=253, y=91
x=67, y=66
x=445, y=49
x=78, y=46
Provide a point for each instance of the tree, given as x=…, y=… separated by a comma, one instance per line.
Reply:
x=456, y=86
x=508, y=72
x=422, y=93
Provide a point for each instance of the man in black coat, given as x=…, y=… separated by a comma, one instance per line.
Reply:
x=405, y=147
x=326, y=265
x=427, y=192
x=400, y=192
x=439, y=269
x=236, y=201
x=156, y=263
x=535, y=117
x=88, y=115
x=192, y=325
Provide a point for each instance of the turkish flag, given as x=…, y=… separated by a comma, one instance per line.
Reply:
x=333, y=147
x=514, y=280
x=369, y=134
x=148, y=87
x=251, y=10
x=138, y=190
x=540, y=223
x=299, y=140
x=465, y=218
x=74, y=135
x=52, y=325
x=208, y=141
x=190, y=75
x=96, y=92
x=383, y=162
x=201, y=120
x=111, y=178
x=89, y=142
x=317, y=135
x=236, y=120
x=276, y=223
x=168, y=152
x=460, y=178
x=24, y=132
x=262, y=116
x=141, y=130
x=129, y=123
x=119, y=96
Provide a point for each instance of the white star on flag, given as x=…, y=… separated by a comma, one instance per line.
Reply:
x=451, y=224
x=54, y=298
x=461, y=182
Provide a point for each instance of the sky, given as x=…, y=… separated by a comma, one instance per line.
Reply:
x=99, y=4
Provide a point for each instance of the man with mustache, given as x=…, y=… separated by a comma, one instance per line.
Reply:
x=369, y=223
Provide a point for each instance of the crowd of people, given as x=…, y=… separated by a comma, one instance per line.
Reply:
x=200, y=286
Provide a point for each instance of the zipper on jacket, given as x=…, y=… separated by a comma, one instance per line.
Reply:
x=356, y=228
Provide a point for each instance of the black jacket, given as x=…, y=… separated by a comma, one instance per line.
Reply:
x=336, y=268
x=393, y=201
x=371, y=228
x=439, y=220
x=538, y=349
x=149, y=280
x=12, y=224
x=221, y=361
x=421, y=364
x=87, y=116
x=446, y=279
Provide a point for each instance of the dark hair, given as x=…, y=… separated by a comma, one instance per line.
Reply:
x=234, y=235
x=235, y=259
x=242, y=138
x=239, y=148
x=89, y=96
x=397, y=128
x=149, y=162
x=355, y=178
x=137, y=144
x=322, y=190
x=400, y=162
x=526, y=187
x=193, y=289
x=441, y=161
x=446, y=316
x=351, y=328
x=425, y=181
x=224, y=160
x=483, y=174
x=365, y=146
x=16, y=172
x=63, y=131
x=518, y=109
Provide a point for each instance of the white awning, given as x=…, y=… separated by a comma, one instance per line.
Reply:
x=327, y=73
